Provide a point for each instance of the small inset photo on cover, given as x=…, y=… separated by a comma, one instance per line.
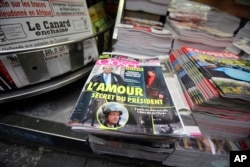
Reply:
x=112, y=115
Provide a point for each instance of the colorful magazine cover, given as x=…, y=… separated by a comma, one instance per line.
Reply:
x=227, y=71
x=178, y=98
x=127, y=96
x=192, y=88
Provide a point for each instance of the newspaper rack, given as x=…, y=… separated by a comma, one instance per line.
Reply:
x=56, y=82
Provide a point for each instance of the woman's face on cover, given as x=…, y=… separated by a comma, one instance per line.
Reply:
x=151, y=73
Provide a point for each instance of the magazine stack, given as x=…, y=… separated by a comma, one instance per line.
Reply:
x=194, y=151
x=124, y=96
x=216, y=87
x=156, y=150
x=38, y=50
x=178, y=97
x=158, y=7
x=201, y=26
x=203, y=151
x=241, y=41
x=143, y=36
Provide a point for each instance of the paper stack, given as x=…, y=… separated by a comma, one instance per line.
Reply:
x=216, y=86
x=142, y=36
x=200, y=26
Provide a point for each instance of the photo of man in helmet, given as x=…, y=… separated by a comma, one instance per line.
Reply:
x=111, y=115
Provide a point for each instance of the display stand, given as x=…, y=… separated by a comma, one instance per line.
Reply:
x=57, y=82
x=42, y=118
x=38, y=112
x=40, y=121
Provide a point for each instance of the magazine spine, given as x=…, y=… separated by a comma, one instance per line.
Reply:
x=12, y=65
x=191, y=92
x=6, y=76
x=204, y=72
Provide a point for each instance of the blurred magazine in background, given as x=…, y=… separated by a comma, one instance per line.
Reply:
x=201, y=26
x=143, y=36
x=100, y=21
x=216, y=87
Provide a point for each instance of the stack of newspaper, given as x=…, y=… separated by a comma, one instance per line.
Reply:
x=26, y=69
x=133, y=148
x=205, y=152
x=46, y=35
x=143, y=36
x=242, y=41
x=200, y=26
x=158, y=7
x=216, y=86
x=137, y=96
x=194, y=151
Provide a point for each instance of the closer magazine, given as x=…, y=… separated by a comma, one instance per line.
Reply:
x=126, y=96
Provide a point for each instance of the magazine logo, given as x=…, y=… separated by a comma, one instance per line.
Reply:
x=47, y=28
x=210, y=53
x=239, y=158
x=119, y=63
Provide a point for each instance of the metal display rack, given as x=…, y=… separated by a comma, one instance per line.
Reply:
x=57, y=82
x=42, y=118
x=38, y=112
